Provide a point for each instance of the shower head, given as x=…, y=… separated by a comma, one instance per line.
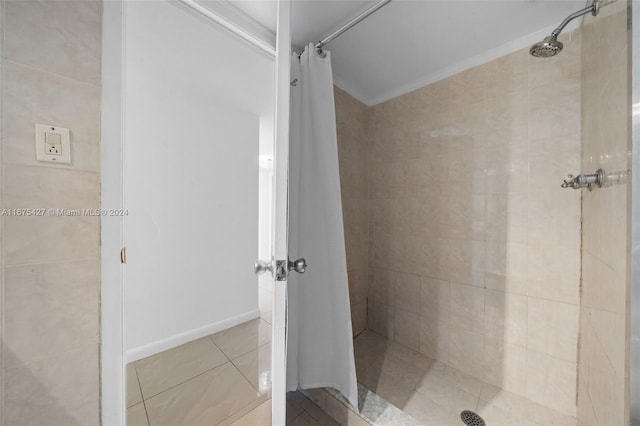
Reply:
x=548, y=47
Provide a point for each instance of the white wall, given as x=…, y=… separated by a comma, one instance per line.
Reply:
x=195, y=96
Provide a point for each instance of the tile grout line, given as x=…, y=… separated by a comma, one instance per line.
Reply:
x=298, y=416
x=141, y=394
x=243, y=375
x=244, y=353
x=65, y=167
x=228, y=361
x=246, y=379
x=185, y=381
x=261, y=399
x=146, y=413
x=47, y=356
x=65, y=77
x=52, y=262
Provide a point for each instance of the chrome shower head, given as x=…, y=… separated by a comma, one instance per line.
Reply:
x=547, y=48
x=550, y=46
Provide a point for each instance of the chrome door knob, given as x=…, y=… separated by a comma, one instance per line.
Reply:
x=298, y=265
x=260, y=267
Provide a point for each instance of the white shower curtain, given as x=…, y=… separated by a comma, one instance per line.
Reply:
x=319, y=336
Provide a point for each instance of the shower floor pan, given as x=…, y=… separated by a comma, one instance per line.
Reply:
x=419, y=390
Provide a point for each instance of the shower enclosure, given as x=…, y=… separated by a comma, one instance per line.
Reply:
x=479, y=280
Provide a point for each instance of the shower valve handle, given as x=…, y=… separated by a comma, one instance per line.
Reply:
x=584, y=181
x=571, y=182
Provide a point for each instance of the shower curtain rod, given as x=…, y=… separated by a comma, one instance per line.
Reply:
x=260, y=44
x=351, y=24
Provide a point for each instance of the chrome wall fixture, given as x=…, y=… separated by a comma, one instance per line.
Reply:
x=550, y=46
x=599, y=179
x=584, y=181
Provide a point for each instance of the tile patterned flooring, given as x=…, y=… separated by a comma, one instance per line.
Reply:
x=435, y=393
x=223, y=379
x=209, y=381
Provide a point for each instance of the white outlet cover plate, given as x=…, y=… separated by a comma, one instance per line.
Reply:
x=41, y=154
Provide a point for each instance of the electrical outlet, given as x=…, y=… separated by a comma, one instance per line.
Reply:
x=53, y=144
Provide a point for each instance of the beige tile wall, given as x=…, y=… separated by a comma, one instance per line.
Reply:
x=602, y=385
x=51, y=57
x=474, y=255
x=352, y=126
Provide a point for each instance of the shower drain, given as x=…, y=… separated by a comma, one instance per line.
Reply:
x=471, y=419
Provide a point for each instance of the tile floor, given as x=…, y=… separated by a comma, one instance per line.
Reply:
x=435, y=393
x=210, y=381
x=300, y=412
x=223, y=379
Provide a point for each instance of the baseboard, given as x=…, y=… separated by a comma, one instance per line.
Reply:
x=179, y=339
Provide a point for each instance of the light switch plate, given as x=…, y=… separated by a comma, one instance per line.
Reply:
x=53, y=144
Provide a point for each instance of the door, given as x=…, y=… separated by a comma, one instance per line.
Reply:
x=280, y=215
x=246, y=84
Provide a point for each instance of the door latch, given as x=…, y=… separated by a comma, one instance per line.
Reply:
x=280, y=268
x=281, y=272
